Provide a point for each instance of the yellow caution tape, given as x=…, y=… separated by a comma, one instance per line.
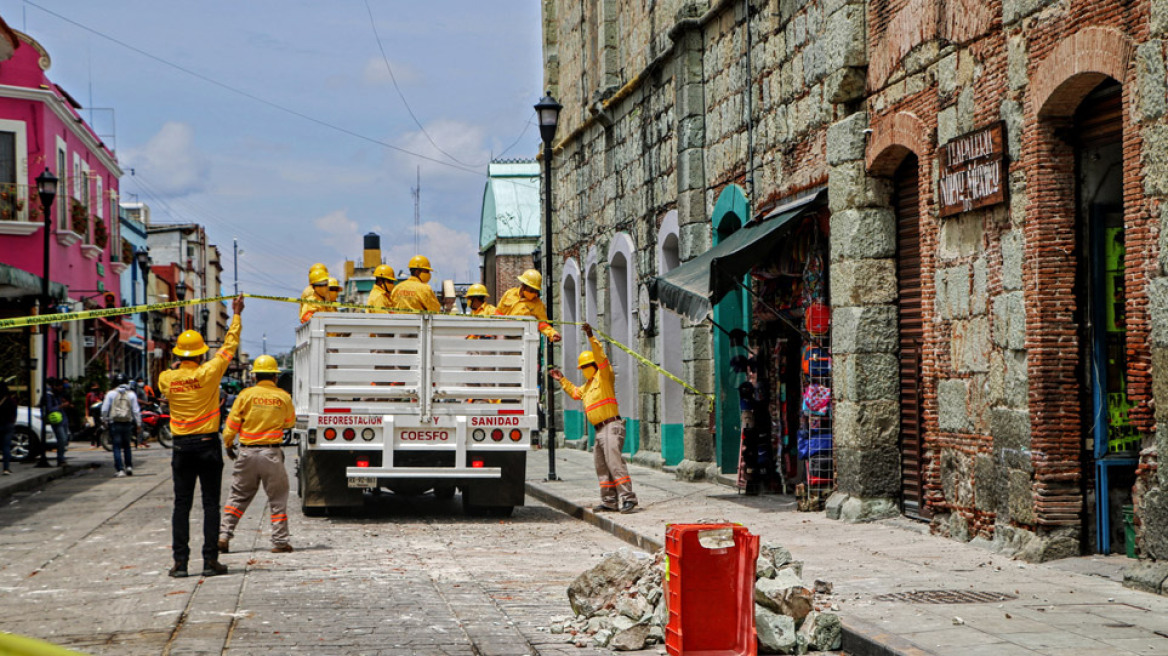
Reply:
x=63, y=317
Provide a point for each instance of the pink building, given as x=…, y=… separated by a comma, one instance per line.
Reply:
x=41, y=127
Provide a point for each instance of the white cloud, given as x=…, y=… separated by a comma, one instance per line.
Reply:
x=454, y=254
x=465, y=141
x=170, y=160
x=375, y=73
x=339, y=231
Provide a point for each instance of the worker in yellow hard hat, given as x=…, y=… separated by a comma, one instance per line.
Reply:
x=414, y=293
x=476, y=296
x=192, y=390
x=334, y=287
x=524, y=301
x=384, y=280
x=600, y=406
x=318, y=290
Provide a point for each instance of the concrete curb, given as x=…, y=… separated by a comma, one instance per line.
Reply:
x=859, y=638
x=41, y=478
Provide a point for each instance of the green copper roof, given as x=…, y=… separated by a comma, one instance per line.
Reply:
x=510, y=202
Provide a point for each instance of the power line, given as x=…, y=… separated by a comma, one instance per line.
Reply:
x=252, y=96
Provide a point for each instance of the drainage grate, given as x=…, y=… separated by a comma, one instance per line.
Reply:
x=947, y=597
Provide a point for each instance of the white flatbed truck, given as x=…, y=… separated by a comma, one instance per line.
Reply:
x=413, y=403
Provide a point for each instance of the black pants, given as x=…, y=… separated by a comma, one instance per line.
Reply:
x=201, y=461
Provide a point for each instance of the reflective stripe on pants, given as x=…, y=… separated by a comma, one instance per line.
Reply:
x=611, y=471
x=253, y=467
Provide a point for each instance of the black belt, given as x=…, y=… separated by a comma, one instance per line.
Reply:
x=182, y=442
x=605, y=422
x=259, y=446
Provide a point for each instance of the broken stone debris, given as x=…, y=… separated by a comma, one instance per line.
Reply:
x=620, y=604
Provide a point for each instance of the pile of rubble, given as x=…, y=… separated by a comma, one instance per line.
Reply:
x=620, y=604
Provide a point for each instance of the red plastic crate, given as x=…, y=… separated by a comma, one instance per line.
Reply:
x=710, y=592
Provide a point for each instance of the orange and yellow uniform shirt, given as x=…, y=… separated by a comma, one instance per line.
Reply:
x=193, y=389
x=260, y=415
x=380, y=298
x=413, y=294
x=485, y=310
x=307, y=306
x=513, y=305
x=598, y=394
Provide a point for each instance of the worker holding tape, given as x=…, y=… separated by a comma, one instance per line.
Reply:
x=192, y=389
x=318, y=279
x=414, y=293
x=524, y=301
x=259, y=418
x=600, y=405
x=380, y=295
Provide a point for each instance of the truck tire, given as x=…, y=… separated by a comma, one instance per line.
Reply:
x=496, y=498
x=444, y=492
x=323, y=485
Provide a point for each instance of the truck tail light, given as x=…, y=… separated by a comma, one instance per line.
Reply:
x=477, y=464
x=516, y=434
x=497, y=435
x=330, y=434
x=349, y=434
x=367, y=434
x=364, y=462
x=478, y=434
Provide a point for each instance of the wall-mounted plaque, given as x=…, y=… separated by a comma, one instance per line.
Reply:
x=973, y=170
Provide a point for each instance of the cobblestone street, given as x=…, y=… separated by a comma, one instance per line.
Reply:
x=83, y=564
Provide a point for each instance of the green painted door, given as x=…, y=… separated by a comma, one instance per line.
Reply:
x=733, y=311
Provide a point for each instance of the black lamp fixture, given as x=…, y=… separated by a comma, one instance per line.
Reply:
x=536, y=257
x=548, y=112
x=180, y=290
x=205, y=315
x=47, y=190
x=142, y=257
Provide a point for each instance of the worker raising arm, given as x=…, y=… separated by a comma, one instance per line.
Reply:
x=415, y=293
x=524, y=301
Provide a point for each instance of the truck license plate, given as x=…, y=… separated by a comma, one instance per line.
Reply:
x=362, y=481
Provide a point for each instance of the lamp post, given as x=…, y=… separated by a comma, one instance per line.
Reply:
x=548, y=111
x=142, y=257
x=180, y=292
x=205, y=315
x=47, y=190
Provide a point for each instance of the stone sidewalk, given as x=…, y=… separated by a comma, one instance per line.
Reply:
x=1069, y=607
x=27, y=476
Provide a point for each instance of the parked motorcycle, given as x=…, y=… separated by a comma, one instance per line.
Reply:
x=155, y=424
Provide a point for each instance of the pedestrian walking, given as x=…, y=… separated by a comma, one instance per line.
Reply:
x=259, y=418
x=56, y=406
x=8, y=405
x=192, y=388
x=93, y=415
x=600, y=405
x=121, y=413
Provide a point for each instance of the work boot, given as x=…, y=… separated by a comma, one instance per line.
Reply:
x=282, y=548
x=179, y=571
x=222, y=544
x=628, y=507
x=213, y=568
x=603, y=508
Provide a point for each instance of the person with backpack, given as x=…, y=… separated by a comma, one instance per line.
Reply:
x=120, y=411
x=56, y=407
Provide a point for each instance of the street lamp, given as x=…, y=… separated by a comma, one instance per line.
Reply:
x=205, y=315
x=548, y=112
x=47, y=190
x=180, y=292
x=142, y=256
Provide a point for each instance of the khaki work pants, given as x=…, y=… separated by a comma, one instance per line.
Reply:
x=255, y=466
x=610, y=467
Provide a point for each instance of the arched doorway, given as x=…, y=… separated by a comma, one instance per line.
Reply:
x=910, y=324
x=731, y=313
x=570, y=304
x=621, y=283
x=669, y=348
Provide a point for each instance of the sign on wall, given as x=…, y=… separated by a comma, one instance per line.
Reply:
x=973, y=170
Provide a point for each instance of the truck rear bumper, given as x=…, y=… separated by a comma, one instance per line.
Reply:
x=425, y=472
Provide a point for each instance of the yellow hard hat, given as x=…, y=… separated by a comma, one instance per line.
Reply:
x=318, y=276
x=334, y=283
x=385, y=271
x=420, y=262
x=189, y=345
x=586, y=358
x=532, y=278
x=477, y=290
x=265, y=364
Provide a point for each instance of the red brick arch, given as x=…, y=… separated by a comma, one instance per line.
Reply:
x=1076, y=67
x=893, y=138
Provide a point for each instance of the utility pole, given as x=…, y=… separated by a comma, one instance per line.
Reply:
x=235, y=262
x=417, y=193
x=265, y=349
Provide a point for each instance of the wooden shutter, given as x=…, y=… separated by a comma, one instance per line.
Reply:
x=906, y=202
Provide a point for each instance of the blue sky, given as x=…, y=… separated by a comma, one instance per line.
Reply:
x=295, y=192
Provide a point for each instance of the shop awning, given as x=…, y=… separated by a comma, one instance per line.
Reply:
x=16, y=283
x=693, y=288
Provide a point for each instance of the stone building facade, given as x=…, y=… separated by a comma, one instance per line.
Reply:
x=685, y=119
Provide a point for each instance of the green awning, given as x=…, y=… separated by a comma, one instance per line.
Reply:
x=15, y=283
x=694, y=287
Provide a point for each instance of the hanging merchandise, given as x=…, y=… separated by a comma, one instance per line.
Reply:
x=816, y=361
x=813, y=283
x=817, y=319
x=816, y=400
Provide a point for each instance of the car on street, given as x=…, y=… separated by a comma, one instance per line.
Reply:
x=27, y=434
